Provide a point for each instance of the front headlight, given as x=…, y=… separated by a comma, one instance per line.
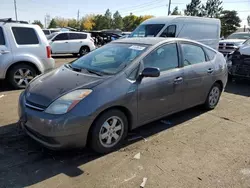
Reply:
x=67, y=102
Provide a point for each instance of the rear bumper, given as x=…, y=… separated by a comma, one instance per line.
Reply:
x=48, y=65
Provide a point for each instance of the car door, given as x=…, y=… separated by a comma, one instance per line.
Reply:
x=162, y=95
x=75, y=42
x=60, y=44
x=5, y=53
x=198, y=74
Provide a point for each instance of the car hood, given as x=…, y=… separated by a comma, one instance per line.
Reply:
x=232, y=41
x=48, y=87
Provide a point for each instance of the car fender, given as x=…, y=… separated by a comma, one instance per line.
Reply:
x=26, y=58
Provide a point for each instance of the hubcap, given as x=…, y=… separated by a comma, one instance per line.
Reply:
x=214, y=96
x=84, y=51
x=111, y=132
x=22, y=77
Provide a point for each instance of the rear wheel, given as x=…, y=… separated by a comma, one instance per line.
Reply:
x=213, y=97
x=108, y=131
x=84, y=50
x=20, y=75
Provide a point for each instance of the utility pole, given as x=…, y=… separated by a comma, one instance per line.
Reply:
x=15, y=9
x=169, y=6
x=78, y=15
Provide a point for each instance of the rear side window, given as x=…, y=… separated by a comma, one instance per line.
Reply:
x=75, y=36
x=210, y=53
x=2, y=40
x=62, y=36
x=169, y=31
x=192, y=54
x=25, y=36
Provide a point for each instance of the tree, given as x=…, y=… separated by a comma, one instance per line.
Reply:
x=87, y=22
x=100, y=22
x=176, y=11
x=229, y=22
x=193, y=8
x=117, y=21
x=129, y=22
x=108, y=19
x=73, y=23
x=212, y=9
x=52, y=24
x=38, y=22
x=61, y=22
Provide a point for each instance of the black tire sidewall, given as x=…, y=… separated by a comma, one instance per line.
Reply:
x=207, y=104
x=14, y=69
x=94, y=140
x=83, y=47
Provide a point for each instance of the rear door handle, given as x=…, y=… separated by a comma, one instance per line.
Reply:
x=178, y=80
x=210, y=70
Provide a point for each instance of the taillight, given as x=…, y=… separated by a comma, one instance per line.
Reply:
x=48, y=51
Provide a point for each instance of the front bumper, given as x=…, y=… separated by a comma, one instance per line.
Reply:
x=54, y=131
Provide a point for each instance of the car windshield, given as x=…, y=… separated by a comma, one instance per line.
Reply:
x=111, y=58
x=147, y=30
x=51, y=36
x=239, y=36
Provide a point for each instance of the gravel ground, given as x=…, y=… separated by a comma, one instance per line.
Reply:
x=193, y=148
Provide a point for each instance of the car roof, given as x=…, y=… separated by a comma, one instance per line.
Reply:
x=167, y=19
x=149, y=40
x=71, y=32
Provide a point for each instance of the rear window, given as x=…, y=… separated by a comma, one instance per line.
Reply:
x=147, y=30
x=46, y=32
x=25, y=36
x=62, y=36
x=2, y=40
x=75, y=36
x=169, y=31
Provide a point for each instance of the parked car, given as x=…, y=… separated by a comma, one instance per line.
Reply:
x=24, y=52
x=239, y=61
x=201, y=29
x=69, y=42
x=127, y=83
x=232, y=42
x=48, y=32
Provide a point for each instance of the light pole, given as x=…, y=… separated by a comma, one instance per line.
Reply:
x=15, y=9
x=169, y=6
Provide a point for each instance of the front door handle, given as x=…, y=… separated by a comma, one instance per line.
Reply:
x=4, y=52
x=210, y=71
x=66, y=42
x=178, y=80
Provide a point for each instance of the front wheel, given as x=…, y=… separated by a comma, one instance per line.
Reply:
x=108, y=131
x=21, y=75
x=213, y=97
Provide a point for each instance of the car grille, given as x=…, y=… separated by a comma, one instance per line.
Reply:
x=39, y=136
x=226, y=46
x=34, y=106
x=243, y=70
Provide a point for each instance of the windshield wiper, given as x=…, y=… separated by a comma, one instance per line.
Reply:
x=94, y=72
x=74, y=68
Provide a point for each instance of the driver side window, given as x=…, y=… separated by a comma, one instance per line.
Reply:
x=164, y=58
x=62, y=36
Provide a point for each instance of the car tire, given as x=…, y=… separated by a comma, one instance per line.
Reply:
x=213, y=97
x=75, y=54
x=108, y=131
x=84, y=50
x=20, y=75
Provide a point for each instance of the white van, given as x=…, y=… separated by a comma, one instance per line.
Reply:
x=201, y=29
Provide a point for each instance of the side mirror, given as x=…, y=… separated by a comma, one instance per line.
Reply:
x=150, y=72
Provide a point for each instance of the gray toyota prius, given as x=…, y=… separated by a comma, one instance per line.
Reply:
x=127, y=83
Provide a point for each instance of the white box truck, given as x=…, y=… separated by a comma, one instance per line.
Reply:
x=201, y=29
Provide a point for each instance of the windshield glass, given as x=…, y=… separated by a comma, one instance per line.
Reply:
x=239, y=36
x=149, y=30
x=51, y=36
x=111, y=58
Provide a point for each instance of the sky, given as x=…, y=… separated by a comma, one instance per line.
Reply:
x=30, y=10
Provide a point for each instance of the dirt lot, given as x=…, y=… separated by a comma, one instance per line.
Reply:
x=193, y=148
